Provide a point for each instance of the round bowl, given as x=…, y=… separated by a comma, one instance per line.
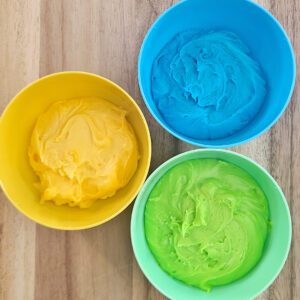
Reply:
x=16, y=124
x=257, y=28
x=260, y=277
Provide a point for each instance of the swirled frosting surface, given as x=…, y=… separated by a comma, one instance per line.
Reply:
x=207, y=86
x=82, y=150
x=206, y=222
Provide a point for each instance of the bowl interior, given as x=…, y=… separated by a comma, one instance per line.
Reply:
x=16, y=175
x=265, y=38
x=258, y=279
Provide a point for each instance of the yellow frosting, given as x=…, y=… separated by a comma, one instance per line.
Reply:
x=82, y=150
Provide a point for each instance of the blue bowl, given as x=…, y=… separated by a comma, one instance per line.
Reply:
x=257, y=28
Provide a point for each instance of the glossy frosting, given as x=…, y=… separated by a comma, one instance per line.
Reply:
x=207, y=86
x=82, y=150
x=206, y=222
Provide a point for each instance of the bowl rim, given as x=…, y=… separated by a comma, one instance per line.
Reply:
x=207, y=143
x=148, y=139
x=140, y=200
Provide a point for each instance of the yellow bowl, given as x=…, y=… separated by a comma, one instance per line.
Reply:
x=16, y=175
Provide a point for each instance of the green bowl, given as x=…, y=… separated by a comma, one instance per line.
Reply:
x=258, y=279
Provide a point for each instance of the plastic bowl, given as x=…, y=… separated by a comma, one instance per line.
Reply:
x=257, y=28
x=260, y=277
x=16, y=175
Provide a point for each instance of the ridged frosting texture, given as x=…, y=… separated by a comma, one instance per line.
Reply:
x=206, y=222
x=82, y=150
x=207, y=85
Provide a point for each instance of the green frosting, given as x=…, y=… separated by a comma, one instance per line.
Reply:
x=206, y=222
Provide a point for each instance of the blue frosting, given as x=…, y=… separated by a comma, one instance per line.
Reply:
x=206, y=86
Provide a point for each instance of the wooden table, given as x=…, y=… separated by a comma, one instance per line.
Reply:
x=38, y=37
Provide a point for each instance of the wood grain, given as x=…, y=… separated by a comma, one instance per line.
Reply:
x=38, y=37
